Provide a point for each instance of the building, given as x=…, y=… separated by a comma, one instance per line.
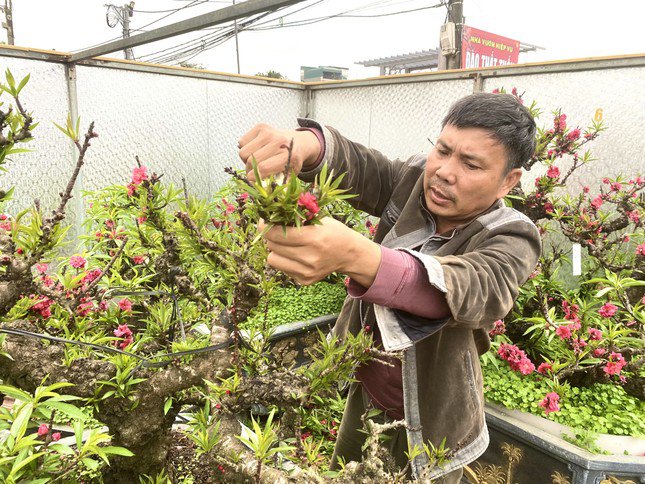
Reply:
x=323, y=73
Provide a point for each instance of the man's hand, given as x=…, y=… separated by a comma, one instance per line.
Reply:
x=269, y=148
x=310, y=253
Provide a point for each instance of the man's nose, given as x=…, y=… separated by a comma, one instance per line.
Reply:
x=448, y=170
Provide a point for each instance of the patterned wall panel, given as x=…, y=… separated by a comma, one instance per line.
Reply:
x=618, y=92
x=44, y=171
x=404, y=116
x=395, y=119
x=348, y=110
x=233, y=109
x=162, y=119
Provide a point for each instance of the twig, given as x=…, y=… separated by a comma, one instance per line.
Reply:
x=183, y=182
x=107, y=268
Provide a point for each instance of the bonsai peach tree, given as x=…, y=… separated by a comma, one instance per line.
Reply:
x=142, y=321
x=574, y=332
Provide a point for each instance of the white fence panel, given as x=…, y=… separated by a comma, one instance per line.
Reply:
x=619, y=93
x=41, y=173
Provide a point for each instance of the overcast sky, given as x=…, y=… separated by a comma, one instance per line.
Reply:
x=565, y=28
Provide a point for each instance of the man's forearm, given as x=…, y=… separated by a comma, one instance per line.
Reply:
x=401, y=282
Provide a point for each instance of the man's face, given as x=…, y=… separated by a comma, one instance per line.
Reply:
x=465, y=175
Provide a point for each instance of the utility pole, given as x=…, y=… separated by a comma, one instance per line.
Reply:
x=237, y=46
x=115, y=15
x=127, y=11
x=8, y=23
x=450, y=39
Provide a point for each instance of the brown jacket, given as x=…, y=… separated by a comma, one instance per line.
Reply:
x=480, y=270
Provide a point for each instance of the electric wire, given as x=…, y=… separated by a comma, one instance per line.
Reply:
x=205, y=42
x=298, y=23
x=210, y=40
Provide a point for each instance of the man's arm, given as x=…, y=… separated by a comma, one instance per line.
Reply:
x=368, y=173
x=481, y=285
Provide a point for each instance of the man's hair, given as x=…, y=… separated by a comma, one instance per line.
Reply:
x=504, y=116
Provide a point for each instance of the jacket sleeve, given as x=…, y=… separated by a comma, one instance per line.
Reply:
x=481, y=285
x=368, y=173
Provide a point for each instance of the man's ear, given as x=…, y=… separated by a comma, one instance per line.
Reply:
x=510, y=180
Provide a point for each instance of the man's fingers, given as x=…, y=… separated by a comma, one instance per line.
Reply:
x=298, y=271
x=270, y=166
x=251, y=134
x=293, y=237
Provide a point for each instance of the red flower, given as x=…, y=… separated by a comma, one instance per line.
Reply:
x=131, y=189
x=597, y=202
x=544, y=368
x=560, y=122
x=615, y=364
x=138, y=259
x=595, y=334
x=41, y=268
x=616, y=187
x=570, y=311
x=574, y=135
x=43, y=429
x=85, y=308
x=550, y=403
x=640, y=250
x=608, y=310
x=56, y=436
x=516, y=358
x=564, y=331
x=633, y=216
x=308, y=201
x=122, y=331
x=77, y=261
x=499, y=328
x=598, y=352
x=139, y=175
x=42, y=307
x=553, y=172
x=125, y=305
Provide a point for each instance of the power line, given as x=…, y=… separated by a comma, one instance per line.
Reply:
x=193, y=3
x=208, y=41
x=300, y=23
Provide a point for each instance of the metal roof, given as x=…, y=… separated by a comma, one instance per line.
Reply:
x=408, y=61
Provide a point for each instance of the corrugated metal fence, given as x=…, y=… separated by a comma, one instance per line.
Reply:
x=186, y=123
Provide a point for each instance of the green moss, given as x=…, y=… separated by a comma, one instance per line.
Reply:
x=600, y=408
x=291, y=304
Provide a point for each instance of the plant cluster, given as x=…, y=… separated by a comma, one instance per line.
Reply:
x=141, y=323
x=574, y=332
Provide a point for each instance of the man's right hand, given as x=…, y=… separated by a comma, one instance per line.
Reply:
x=268, y=146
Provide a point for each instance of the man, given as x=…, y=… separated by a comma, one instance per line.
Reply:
x=447, y=261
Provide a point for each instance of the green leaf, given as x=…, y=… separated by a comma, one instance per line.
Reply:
x=91, y=463
x=15, y=393
x=66, y=408
x=11, y=82
x=20, y=463
x=114, y=450
x=19, y=426
x=167, y=405
x=22, y=84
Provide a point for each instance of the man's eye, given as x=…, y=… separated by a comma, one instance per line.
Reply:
x=471, y=166
x=442, y=152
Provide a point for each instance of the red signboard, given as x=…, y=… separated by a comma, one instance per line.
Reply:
x=483, y=49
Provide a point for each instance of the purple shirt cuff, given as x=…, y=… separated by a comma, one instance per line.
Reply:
x=402, y=283
x=321, y=140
